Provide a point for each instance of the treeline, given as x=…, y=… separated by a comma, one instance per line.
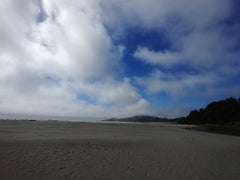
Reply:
x=220, y=112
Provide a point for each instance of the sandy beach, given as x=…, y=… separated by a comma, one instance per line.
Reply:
x=80, y=150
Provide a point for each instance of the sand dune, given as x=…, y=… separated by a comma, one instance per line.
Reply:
x=71, y=150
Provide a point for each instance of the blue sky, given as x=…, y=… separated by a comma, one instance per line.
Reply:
x=99, y=58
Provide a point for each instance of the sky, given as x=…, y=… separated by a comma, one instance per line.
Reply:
x=119, y=58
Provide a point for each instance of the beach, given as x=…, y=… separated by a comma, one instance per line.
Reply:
x=99, y=150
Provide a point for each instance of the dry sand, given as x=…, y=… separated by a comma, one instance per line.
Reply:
x=72, y=150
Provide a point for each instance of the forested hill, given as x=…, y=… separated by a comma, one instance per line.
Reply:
x=219, y=112
x=142, y=119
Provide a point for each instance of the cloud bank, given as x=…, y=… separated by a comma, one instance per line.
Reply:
x=56, y=58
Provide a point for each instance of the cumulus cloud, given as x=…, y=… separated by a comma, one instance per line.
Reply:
x=174, y=16
x=165, y=58
x=205, y=84
x=53, y=53
x=201, y=50
x=110, y=92
x=197, y=31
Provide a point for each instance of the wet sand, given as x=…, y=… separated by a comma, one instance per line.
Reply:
x=79, y=150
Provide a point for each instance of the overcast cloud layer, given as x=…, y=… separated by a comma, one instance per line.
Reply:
x=62, y=57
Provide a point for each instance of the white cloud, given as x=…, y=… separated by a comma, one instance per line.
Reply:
x=204, y=84
x=203, y=47
x=165, y=58
x=47, y=63
x=173, y=16
x=110, y=92
x=195, y=30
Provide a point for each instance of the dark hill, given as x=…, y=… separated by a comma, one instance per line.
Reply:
x=143, y=119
